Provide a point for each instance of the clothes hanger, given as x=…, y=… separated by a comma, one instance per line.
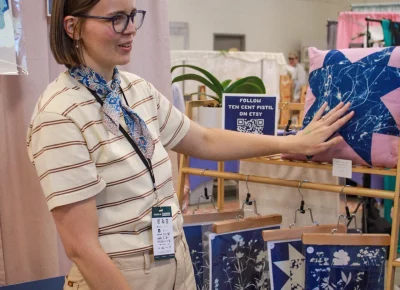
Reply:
x=293, y=233
x=345, y=239
x=301, y=209
x=209, y=217
x=242, y=223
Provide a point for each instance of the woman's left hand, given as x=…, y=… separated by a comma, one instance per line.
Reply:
x=311, y=140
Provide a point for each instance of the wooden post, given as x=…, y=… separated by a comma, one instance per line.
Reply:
x=394, y=238
x=221, y=187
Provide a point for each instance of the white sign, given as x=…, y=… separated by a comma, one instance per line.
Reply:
x=342, y=168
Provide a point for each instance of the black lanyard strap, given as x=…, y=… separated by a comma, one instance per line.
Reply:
x=146, y=161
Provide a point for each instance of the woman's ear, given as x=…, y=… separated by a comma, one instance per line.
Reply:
x=70, y=23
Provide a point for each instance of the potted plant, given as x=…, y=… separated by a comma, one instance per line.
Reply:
x=212, y=116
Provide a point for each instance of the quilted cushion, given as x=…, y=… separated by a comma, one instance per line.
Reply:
x=369, y=78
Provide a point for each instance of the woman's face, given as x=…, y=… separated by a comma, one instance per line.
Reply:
x=103, y=48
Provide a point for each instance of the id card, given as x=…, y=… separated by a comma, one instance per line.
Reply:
x=163, y=233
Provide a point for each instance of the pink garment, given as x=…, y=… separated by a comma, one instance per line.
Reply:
x=350, y=24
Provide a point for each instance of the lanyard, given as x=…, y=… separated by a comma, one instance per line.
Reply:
x=146, y=161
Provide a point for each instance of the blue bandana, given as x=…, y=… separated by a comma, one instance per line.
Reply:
x=113, y=106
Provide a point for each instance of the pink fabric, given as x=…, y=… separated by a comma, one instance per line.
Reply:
x=350, y=24
x=355, y=55
x=395, y=58
x=384, y=150
x=317, y=57
x=341, y=151
x=392, y=102
x=32, y=249
x=309, y=100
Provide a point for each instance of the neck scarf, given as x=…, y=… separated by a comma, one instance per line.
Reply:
x=113, y=106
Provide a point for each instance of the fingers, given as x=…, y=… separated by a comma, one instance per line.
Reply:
x=328, y=144
x=339, y=112
x=320, y=112
x=339, y=123
x=334, y=110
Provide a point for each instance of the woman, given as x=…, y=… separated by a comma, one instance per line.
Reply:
x=100, y=180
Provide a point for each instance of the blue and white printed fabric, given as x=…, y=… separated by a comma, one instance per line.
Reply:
x=194, y=238
x=345, y=267
x=238, y=260
x=287, y=265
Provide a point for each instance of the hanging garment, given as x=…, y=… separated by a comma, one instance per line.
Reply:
x=387, y=33
x=287, y=265
x=371, y=136
x=345, y=267
x=395, y=29
x=351, y=24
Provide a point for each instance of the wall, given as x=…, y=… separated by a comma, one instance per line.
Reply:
x=269, y=25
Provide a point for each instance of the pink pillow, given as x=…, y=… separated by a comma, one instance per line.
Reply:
x=369, y=78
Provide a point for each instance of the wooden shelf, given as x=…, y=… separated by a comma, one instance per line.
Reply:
x=277, y=160
x=396, y=264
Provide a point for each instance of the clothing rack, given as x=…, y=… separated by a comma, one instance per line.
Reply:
x=368, y=34
x=184, y=170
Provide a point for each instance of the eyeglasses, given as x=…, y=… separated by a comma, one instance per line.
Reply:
x=120, y=21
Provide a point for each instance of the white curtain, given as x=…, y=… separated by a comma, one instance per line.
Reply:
x=378, y=7
x=30, y=244
x=232, y=65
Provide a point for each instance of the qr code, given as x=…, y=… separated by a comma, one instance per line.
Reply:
x=255, y=126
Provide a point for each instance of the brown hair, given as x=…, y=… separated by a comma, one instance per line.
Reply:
x=64, y=48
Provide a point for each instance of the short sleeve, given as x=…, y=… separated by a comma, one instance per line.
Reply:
x=173, y=124
x=59, y=152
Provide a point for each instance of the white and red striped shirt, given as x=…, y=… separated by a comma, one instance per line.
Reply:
x=77, y=158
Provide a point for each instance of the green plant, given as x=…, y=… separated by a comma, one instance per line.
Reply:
x=247, y=85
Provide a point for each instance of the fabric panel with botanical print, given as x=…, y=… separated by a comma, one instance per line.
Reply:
x=239, y=261
x=287, y=265
x=345, y=267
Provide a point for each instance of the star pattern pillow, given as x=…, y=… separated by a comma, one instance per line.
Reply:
x=369, y=78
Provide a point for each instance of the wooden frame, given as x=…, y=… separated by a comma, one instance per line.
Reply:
x=246, y=223
x=346, y=239
x=297, y=233
x=211, y=217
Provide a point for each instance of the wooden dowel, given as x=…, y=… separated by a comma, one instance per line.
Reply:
x=293, y=183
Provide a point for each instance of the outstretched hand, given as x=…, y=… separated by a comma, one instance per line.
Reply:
x=313, y=139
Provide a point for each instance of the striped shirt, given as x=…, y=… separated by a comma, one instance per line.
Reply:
x=76, y=158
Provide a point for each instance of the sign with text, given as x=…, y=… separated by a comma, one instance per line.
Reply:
x=250, y=113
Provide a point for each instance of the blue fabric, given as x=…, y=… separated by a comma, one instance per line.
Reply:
x=48, y=284
x=239, y=261
x=4, y=6
x=345, y=267
x=113, y=106
x=194, y=238
x=287, y=265
x=363, y=83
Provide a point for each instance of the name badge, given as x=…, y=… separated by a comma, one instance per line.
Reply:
x=163, y=233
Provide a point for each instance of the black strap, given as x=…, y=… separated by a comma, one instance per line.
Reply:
x=146, y=161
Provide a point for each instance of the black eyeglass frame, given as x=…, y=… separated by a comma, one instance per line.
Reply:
x=130, y=17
